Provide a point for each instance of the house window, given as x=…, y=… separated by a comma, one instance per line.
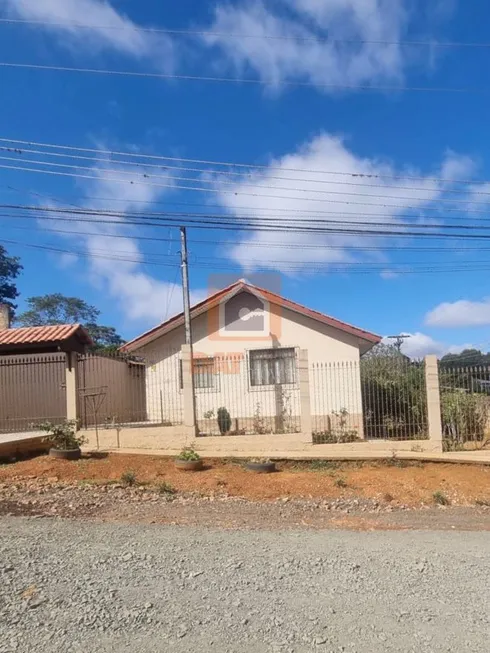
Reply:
x=204, y=373
x=272, y=366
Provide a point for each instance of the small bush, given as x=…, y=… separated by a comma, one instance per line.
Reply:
x=128, y=478
x=440, y=498
x=64, y=435
x=340, y=482
x=189, y=454
x=166, y=488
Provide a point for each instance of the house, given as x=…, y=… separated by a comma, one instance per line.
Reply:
x=247, y=347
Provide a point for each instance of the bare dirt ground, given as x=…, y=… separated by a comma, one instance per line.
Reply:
x=387, y=495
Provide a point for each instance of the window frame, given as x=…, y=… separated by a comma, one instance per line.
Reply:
x=213, y=375
x=294, y=358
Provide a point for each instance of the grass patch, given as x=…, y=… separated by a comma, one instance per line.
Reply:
x=440, y=498
x=166, y=489
x=388, y=497
x=128, y=478
x=323, y=465
x=340, y=482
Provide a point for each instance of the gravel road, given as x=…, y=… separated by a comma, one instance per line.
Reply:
x=72, y=587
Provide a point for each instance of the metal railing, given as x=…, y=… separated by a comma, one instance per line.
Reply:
x=394, y=398
x=465, y=405
x=242, y=394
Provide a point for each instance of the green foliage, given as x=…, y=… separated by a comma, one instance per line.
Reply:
x=128, y=478
x=393, y=397
x=189, y=454
x=166, y=489
x=10, y=268
x=209, y=414
x=63, y=435
x=340, y=482
x=464, y=417
x=465, y=358
x=440, y=498
x=58, y=309
x=224, y=420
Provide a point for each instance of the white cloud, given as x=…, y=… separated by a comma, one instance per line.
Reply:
x=362, y=25
x=116, y=263
x=112, y=30
x=389, y=274
x=274, y=200
x=462, y=313
x=417, y=345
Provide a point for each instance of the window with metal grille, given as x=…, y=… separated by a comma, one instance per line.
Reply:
x=204, y=373
x=272, y=366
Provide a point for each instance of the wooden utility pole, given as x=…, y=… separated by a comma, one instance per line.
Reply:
x=185, y=287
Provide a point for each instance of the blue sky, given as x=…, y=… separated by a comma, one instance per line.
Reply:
x=428, y=135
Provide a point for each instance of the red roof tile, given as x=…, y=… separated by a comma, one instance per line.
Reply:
x=43, y=334
x=215, y=299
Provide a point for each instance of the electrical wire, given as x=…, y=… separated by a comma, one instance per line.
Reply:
x=201, y=189
x=237, y=35
x=243, y=80
x=235, y=164
x=213, y=172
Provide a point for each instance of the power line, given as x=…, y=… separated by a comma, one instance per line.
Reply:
x=225, y=173
x=202, y=221
x=259, y=185
x=237, y=35
x=254, y=166
x=243, y=80
x=201, y=189
x=247, y=185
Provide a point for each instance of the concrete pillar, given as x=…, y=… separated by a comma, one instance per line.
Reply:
x=188, y=388
x=4, y=316
x=304, y=393
x=71, y=380
x=433, y=402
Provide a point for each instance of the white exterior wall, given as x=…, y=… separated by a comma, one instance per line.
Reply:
x=324, y=345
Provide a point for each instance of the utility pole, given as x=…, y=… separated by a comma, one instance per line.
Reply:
x=399, y=340
x=185, y=287
x=187, y=325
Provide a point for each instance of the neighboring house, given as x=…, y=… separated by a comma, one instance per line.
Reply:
x=247, y=342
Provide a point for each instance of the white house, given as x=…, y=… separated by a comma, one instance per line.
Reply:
x=247, y=342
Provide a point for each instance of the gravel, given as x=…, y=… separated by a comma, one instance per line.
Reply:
x=73, y=586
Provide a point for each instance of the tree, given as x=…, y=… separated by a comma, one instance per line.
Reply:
x=104, y=337
x=58, y=309
x=10, y=268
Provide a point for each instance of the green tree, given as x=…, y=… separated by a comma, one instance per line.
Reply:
x=10, y=268
x=58, y=309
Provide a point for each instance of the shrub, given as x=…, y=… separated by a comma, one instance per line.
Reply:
x=166, y=488
x=128, y=478
x=189, y=454
x=340, y=482
x=464, y=418
x=440, y=498
x=63, y=436
x=224, y=420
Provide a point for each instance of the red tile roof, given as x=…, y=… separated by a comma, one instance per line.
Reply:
x=214, y=300
x=43, y=334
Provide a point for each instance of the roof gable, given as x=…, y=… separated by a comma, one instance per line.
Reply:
x=232, y=290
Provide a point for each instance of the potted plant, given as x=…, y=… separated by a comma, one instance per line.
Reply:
x=261, y=465
x=188, y=460
x=65, y=443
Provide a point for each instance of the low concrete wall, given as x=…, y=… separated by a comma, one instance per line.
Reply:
x=169, y=440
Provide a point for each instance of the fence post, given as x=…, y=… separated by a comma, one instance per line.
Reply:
x=433, y=402
x=188, y=389
x=304, y=393
x=71, y=382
